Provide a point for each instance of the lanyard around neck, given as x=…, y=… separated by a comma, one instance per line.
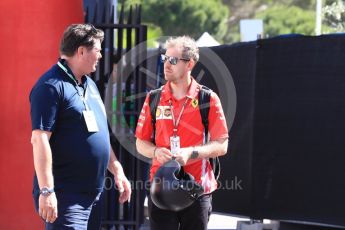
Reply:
x=176, y=122
x=68, y=74
x=83, y=98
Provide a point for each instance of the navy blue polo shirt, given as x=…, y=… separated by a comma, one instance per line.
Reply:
x=80, y=157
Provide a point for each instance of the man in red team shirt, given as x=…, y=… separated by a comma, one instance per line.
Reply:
x=178, y=120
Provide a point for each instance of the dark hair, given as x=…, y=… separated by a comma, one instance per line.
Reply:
x=77, y=35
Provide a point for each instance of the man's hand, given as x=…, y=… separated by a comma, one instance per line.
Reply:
x=123, y=186
x=162, y=155
x=47, y=208
x=184, y=155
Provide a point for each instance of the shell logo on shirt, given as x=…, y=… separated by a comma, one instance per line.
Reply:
x=163, y=112
x=158, y=112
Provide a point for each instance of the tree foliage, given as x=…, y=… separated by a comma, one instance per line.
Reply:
x=334, y=16
x=192, y=17
x=249, y=9
x=303, y=4
x=180, y=17
x=282, y=20
x=221, y=17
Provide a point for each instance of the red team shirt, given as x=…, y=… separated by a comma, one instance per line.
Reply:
x=190, y=129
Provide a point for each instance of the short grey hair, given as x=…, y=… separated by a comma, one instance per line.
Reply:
x=188, y=45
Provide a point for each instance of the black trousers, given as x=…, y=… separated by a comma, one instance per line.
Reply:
x=195, y=217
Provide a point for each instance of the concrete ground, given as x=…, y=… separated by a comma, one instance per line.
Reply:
x=223, y=221
x=217, y=221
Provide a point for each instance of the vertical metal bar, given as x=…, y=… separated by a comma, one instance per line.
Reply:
x=102, y=73
x=138, y=14
x=134, y=84
x=107, y=40
x=111, y=43
x=134, y=117
x=129, y=105
x=121, y=14
x=128, y=68
x=120, y=91
x=86, y=17
x=119, y=77
x=94, y=19
x=141, y=87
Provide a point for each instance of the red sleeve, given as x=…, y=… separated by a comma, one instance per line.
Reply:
x=217, y=122
x=144, y=126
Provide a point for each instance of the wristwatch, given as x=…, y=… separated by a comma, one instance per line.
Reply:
x=195, y=154
x=45, y=191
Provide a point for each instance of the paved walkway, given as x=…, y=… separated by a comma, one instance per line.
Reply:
x=223, y=221
x=217, y=221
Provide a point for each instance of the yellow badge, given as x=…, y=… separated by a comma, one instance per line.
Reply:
x=195, y=103
x=158, y=112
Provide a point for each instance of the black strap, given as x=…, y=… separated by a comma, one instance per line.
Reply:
x=204, y=107
x=153, y=102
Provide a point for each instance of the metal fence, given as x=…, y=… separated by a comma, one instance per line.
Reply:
x=122, y=87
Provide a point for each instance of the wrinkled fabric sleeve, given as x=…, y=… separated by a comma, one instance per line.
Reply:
x=217, y=122
x=44, y=104
x=144, y=128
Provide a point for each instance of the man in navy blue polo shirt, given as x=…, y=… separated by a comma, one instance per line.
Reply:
x=70, y=136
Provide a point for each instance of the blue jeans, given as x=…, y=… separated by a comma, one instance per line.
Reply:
x=76, y=211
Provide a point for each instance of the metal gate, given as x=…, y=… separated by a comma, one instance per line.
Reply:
x=122, y=87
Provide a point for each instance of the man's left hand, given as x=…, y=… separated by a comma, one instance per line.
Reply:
x=184, y=155
x=123, y=186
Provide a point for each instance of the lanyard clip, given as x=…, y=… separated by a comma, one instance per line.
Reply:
x=175, y=132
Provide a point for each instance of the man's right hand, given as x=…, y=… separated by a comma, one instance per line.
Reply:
x=163, y=155
x=48, y=207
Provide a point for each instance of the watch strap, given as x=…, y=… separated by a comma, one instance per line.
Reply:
x=195, y=154
x=45, y=191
